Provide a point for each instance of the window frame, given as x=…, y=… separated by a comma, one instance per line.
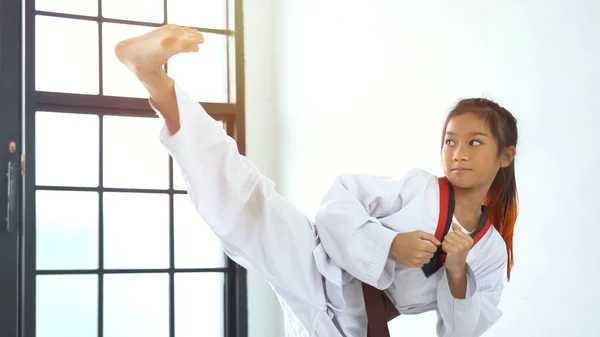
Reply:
x=232, y=114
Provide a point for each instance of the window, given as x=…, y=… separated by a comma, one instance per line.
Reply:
x=111, y=244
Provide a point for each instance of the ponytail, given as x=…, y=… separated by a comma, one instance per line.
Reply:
x=502, y=208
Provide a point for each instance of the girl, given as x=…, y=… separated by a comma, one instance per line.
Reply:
x=369, y=229
x=361, y=216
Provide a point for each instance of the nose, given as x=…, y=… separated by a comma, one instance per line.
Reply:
x=460, y=154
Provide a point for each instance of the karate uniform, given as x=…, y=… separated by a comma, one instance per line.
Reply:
x=319, y=284
x=360, y=216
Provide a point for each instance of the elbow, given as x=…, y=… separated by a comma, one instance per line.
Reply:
x=326, y=214
x=321, y=217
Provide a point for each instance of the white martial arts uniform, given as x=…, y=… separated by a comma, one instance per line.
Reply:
x=360, y=216
x=263, y=232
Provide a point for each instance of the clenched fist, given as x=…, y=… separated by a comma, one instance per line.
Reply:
x=414, y=249
x=456, y=245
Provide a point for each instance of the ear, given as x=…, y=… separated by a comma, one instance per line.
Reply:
x=508, y=155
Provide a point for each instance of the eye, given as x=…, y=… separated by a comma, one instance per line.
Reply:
x=475, y=142
x=449, y=142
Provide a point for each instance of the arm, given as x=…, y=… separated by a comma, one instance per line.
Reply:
x=349, y=227
x=474, y=313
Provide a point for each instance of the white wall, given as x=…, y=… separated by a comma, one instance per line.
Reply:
x=369, y=82
x=260, y=16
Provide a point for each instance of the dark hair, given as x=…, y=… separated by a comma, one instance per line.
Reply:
x=501, y=200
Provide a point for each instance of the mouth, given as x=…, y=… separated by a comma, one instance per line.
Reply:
x=460, y=169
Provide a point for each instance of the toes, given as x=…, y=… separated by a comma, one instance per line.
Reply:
x=191, y=46
x=190, y=31
x=174, y=30
x=195, y=36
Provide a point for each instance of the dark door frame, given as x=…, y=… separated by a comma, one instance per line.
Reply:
x=10, y=133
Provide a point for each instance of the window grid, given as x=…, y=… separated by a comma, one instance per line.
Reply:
x=231, y=114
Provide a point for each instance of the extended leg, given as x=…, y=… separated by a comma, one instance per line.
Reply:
x=257, y=227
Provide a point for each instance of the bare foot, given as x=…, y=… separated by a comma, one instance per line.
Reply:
x=145, y=55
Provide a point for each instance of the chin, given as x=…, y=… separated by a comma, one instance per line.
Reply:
x=459, y=180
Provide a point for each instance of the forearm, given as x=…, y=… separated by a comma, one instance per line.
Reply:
x=357, y=243
x=458, y=303
x=474, y=313
x=457, y=281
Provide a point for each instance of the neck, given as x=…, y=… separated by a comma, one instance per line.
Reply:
x=467, y=206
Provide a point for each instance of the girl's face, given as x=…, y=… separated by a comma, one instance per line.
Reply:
x=470, y=153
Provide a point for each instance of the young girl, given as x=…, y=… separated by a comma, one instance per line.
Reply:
x=369, y=230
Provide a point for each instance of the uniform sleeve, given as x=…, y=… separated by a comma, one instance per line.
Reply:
x=349, y=227
x=478, y=311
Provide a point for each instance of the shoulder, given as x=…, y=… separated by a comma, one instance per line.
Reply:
x=417, y=174
x=496, y=242
x=412, y=182
x=418, y=179
x=498, y=246
x=490, y=252
x=413, y=175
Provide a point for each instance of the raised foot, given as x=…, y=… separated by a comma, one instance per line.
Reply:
x=147, y=53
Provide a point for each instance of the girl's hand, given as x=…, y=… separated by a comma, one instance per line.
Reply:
x=414, y=249
x=457, y=246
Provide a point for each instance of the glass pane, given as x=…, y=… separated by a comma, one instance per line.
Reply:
x=117, y=79
x=203, y=74
x=136, y=305
x=66, y=149
x=199, y=304
x=66, y=230
x=136, y=230
x=231, y=14
x=202, y=13
x=66, y=306
x=69, y=63
x=178, y=181
x=134, y=10
x=196, y=246
x=133, y=156
x=232, y=70
x=81, y=7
